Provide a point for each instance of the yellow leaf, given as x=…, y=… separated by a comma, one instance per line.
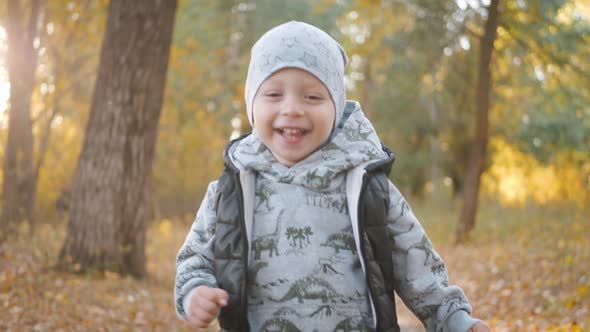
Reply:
x=5, y=287
x=575, y=327
x=165, y=227
x=569, y=259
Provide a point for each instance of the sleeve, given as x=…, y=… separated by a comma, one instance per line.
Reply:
x=195, y=260
x=420, y=274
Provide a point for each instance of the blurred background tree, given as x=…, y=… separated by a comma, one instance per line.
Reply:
x=23, y=21
x=413, y=65
x=111, y=190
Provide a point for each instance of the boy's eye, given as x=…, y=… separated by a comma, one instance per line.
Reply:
x=273, y=94
x=314, y=98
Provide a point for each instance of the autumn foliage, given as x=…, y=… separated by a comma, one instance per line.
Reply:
x=413, y=66
x=525, y=270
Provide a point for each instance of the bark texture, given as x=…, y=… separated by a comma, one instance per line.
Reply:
x=479, y=145
x=109, y=211
x=19, y=183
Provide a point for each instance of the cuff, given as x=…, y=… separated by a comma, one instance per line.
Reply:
x=459, y=321
x=186, y=302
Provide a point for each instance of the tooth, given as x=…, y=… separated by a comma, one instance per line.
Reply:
x=290, y=131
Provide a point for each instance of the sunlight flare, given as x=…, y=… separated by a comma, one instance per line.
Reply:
x=4, y=84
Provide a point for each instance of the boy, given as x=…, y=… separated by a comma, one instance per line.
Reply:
x=303, y=231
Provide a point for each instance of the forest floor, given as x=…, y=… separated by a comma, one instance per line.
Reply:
x=525, y=269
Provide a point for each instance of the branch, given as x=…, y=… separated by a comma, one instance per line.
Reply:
x=557, y=78
x=45, y=139
x=77, y=63
x=69, y=88
x=547, y=55
x=471, y=32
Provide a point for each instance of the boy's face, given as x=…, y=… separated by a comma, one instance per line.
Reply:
x=293, y=114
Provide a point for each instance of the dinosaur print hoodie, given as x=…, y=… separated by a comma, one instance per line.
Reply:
x=304, y=270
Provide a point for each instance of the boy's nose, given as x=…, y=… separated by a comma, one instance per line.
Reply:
x=292, y=107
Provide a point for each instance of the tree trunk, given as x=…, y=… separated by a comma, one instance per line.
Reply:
x=367, y=89
x=18, y=182
x=109, y=214
x=476, y=162
x=435, y=149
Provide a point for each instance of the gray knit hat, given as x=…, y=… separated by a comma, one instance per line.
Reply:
x=298, y=45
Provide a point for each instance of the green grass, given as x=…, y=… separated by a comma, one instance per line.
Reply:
x=497, y=223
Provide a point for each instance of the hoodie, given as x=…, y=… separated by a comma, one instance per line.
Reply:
x=304, y=269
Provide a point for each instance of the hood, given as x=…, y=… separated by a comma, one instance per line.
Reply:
x=353, y=143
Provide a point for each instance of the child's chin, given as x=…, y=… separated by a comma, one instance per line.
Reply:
x=290, y=159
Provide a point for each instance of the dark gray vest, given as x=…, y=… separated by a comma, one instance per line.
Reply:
x=231, y=246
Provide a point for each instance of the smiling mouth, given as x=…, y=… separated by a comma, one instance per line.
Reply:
x=292, y=132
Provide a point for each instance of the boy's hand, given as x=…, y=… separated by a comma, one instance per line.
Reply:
x=479, y=327
x=205, y=305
